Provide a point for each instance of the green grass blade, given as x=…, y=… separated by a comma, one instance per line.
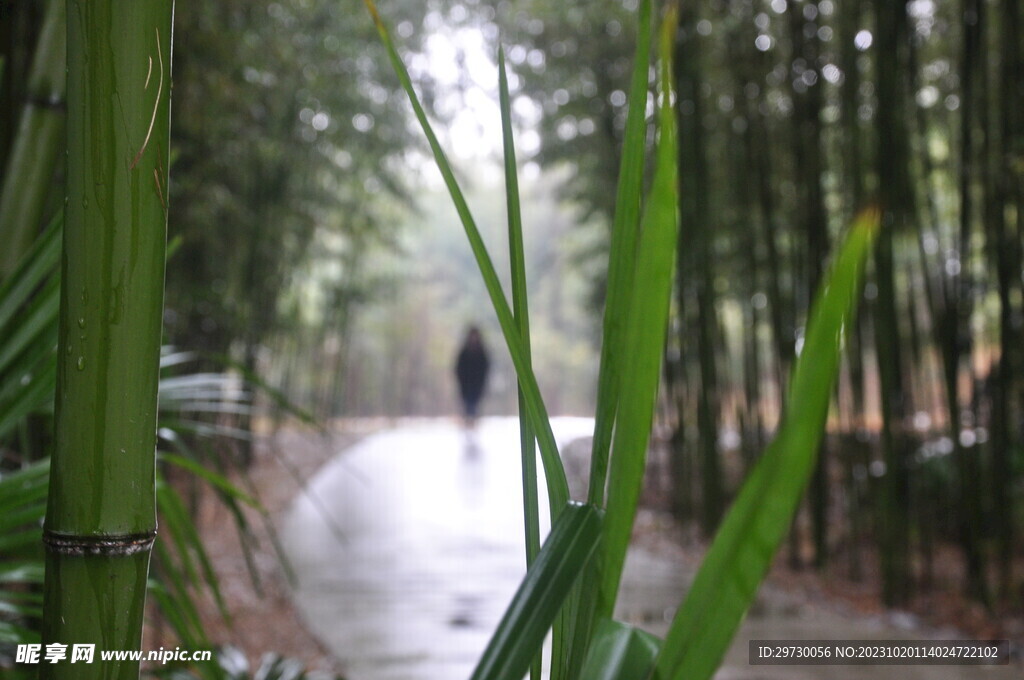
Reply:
x=520, y=634
x=520, y=307
x=621, y=258
x=621, y=273
x=645, y=336
x=751, y=532
x=620, y=652
x=558, y=488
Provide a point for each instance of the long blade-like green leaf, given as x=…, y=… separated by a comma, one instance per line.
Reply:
x=215, y=480
x=38, y=263
x=520, y=634
x=752, y=530
x=622, y=265
x=13, y=634
x=37, y=326
x=554, y=472
x=26, y=391
x=26, y=486
x=619, y=652
x=21, y=572
x=517, y=260
x=645, y=336
x=621, y=257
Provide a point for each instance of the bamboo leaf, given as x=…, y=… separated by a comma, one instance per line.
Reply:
x=25, y=391
x=520, y=634
x=217, y=481
x=520, y=306
x=23, y=487
x=34, y=267
x=645, y=336
x=36, y=146
x=621, y=272
x=558, y=488
x=21, y=572
x=279, y=398
x=185, y=535
x=751, y=532
x=36, y=328
x=619, y=652
x=176, y=524
x=16, y=540
x=12, y=633
x=622, y=254
x=17, y=610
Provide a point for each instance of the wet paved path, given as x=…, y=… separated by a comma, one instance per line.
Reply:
x=430, y=552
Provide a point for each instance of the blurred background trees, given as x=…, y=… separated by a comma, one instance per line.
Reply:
x=314, y=247
x=792, y=114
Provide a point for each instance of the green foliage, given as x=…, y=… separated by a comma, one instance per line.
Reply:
x=752, y=530
x=520, y=306
x=28, y=325
x=581, y=86
x=619, y=652
x=622, y=255
x=26, y=183
x=643, y=320
x=558, y=489
x=285, y=139
x=182, y=570
x=520, y=634
x=750, y=534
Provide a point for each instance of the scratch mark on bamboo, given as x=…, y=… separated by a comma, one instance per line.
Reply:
x=156, y=102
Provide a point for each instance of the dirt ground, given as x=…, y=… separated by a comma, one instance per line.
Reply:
x=264, y=619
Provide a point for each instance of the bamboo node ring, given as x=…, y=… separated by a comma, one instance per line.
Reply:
x=124, y=544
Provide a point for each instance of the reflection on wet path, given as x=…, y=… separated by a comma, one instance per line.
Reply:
x=432, y=547
x=431, y=553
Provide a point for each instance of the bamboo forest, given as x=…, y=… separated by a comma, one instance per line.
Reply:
x=420, y=340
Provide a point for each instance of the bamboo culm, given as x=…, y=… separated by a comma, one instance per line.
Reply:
x=101, y=519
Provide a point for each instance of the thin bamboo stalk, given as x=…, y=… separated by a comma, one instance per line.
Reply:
x=101, y=520
x=26, y=180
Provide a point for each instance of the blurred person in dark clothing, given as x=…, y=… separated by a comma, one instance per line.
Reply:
x=471, y=368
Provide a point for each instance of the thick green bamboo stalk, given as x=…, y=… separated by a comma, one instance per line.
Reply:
x=26, y=179
x=101, y=520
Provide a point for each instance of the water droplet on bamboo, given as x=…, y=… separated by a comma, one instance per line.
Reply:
x=81, y=363
x=81, y=322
